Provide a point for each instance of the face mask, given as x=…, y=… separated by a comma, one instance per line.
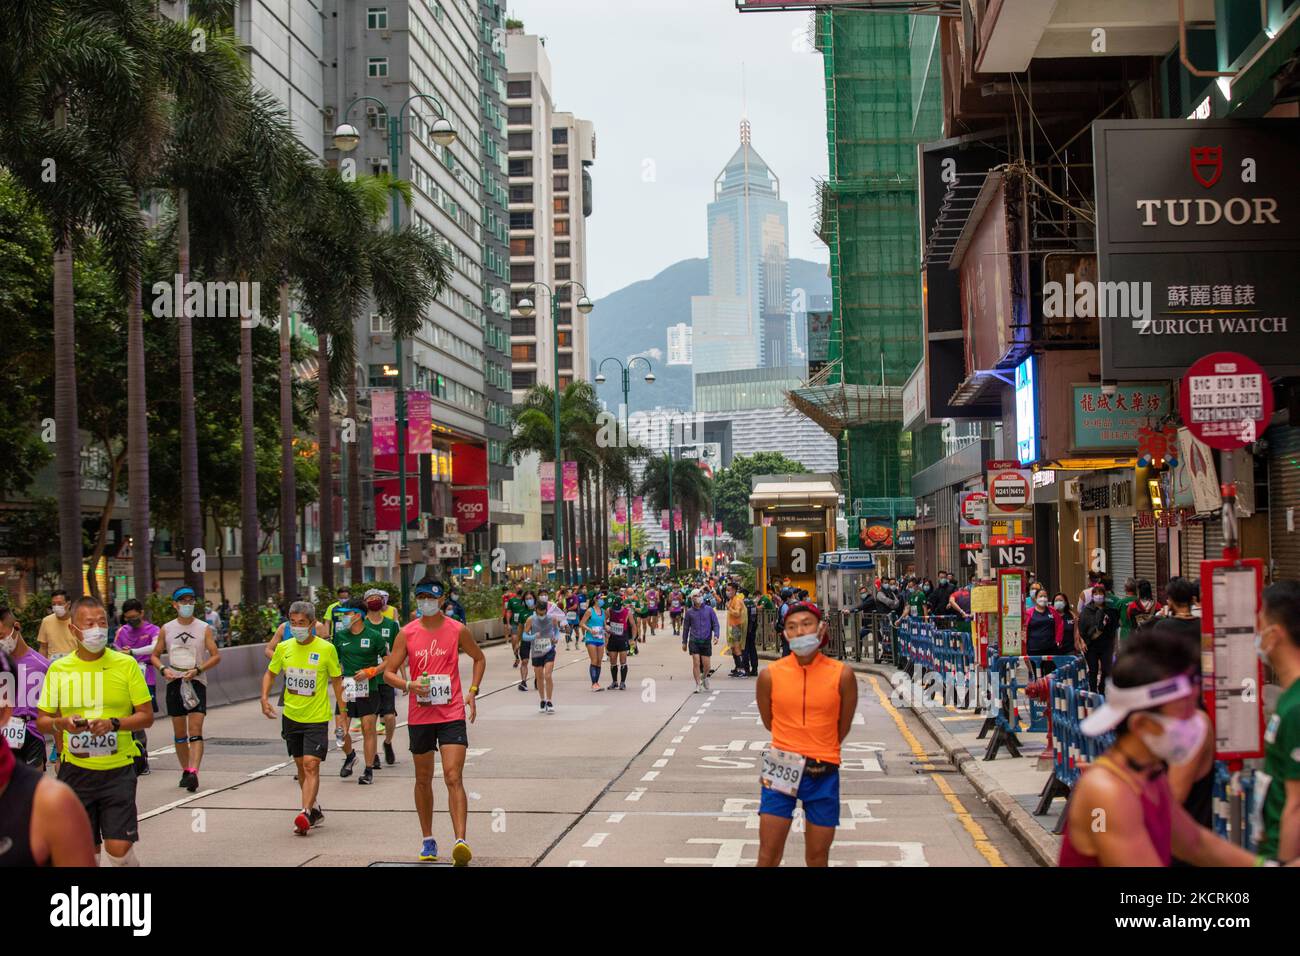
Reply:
x=133, y=622
x=60, y=610
x=927, y=589
x=1180, y=741
x=427, y=608
x=1041, y=600
x=351, y=620
x=375, y=604
x=530, y=602
x=541, y=605
x=185, y=610
x=302, y=634
x=600, y=603
x=7, y=644
x=1259, y=646
x=804, y=644
x=1060, y=605
x=94, y=639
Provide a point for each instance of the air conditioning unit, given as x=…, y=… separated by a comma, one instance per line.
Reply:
x=386, y=34
x=376, y=340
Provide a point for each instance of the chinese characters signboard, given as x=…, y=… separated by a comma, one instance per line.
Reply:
x=1113, y=418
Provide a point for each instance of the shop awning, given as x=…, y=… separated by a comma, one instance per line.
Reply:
x=840, y=406
x=810, y=491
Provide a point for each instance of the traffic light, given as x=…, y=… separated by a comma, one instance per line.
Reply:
x=623, y=557
x=636, y=559
x=478, y=564
x=651, y=558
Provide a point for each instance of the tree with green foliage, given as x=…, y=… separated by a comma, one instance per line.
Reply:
x=731, y=487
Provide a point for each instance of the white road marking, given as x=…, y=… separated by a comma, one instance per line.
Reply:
x=649, y=775
x=161, y=751
x=595, y=840
x=177, y=803
x=693, y=720
x=670, y=751
x=685, y=729
x=635, y=794
x=615, y=818
x=661, y=762
x=677, y=740
x=577, y=863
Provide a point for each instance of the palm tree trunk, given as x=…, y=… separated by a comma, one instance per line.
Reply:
x=220, y=532
x=588, y=542
x=323, y=432
x=288, y=488
x=115, y=462
x=602, y=516
x=137, y=441
x=191, y=518
x=248, y=522
x=354, y=481
x=581, y=538
x=67, y=437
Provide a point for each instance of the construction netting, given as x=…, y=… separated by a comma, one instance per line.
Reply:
x=877, y=110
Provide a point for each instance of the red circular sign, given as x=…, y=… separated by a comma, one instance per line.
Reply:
x=1226, y=400
x=1009, y=491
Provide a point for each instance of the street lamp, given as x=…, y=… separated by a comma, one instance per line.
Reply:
x=346, y=139
x=527, y=309
x=627, y=384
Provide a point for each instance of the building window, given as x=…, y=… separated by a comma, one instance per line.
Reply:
x=380, y=325
x=560, y=161
x=523, y=353
x=561, y=227
x=523, y=272
x=565, y=340
x=562, y=205
x=521, y=194
x=519, y=89
x=560, y=136
x=561, y=184
x=377, y=18
x=521, y=220
x=521, y=167
x=566, y=381
x=520, y=142
x=377, y=66
x=520, y=115
x=563, y=271
x=523, y=379
x=524, y=327
x=561, y=250
x=521, y=247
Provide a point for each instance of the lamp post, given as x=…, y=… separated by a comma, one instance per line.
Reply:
x=346, y=138
x=627, y=385
x=527, y=309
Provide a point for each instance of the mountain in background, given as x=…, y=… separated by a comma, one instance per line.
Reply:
x=635, y=321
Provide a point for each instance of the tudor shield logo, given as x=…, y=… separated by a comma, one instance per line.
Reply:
x=1207, y=164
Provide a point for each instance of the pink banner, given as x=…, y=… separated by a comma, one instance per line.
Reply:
x=677, y=519
x=383, y=427
x=638, y=509
x=546, y=472
x=419, y=423
x=570, y=478
x=663, y=519
x=620, y=510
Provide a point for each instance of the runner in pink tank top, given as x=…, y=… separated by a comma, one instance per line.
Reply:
x=432, y=645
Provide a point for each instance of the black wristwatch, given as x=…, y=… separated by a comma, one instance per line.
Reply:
x=117, y=724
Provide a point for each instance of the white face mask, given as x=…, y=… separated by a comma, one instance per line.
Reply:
x=1098, y=598
x=1041, y=600
x=302, y=634
x=94, y=639
x=7, y=644
x=1060, y=605
x=185, y=610
x=427, y=608
x=1181, y=740
x=60, y=610
x=1259, y=646
x=804, y=644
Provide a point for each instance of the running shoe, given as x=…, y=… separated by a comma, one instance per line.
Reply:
x=429, y=849
x=185, y=779
x=614, y=686
x=622, y=686
x=596, y=687
x=541, y=705
x=550, y=708
x=316, y=817
x=699, y=688
x=390, y=757
x=192, y=781
x=460, y=853
x=523, y=684
x=301, y=824
x=376, y=765
x=348, y=761
x=706, y=684
x=367, y=777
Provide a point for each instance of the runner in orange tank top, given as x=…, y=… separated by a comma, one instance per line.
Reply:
x=807, y=701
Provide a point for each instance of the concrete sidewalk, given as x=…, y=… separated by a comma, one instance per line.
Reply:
x=1010, y=785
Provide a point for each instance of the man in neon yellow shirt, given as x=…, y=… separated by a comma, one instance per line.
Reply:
x=93, y=699
x=310, y=666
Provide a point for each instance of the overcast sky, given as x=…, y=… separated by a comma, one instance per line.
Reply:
x=661, y=81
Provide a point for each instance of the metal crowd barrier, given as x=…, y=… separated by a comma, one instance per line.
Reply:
x=1071, y=702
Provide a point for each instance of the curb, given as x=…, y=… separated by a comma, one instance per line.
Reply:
x=1041, y=844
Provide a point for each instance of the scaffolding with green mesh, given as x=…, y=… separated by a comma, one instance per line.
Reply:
x=881, y=100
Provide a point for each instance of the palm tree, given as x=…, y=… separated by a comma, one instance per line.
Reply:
x=692, y=493
x=209, y=92
x=70, y=77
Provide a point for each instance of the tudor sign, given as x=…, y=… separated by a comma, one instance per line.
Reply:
x=1010, y=490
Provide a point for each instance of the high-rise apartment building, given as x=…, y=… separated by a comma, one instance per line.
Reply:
x=679, y=344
